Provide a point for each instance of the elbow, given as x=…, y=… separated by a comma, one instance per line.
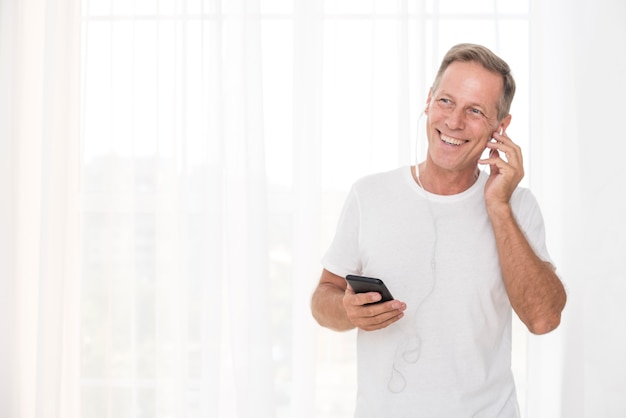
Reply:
x=550, y=319
x=544, y=325
x=547, y=321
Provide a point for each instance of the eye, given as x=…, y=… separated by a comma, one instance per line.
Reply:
x=474, y=112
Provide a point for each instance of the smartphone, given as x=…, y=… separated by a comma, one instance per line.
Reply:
x=362, y=284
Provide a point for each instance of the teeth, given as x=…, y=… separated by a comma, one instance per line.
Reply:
x=451, y=141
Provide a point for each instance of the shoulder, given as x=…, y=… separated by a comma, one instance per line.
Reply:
x=525, y=207
x=523, y=198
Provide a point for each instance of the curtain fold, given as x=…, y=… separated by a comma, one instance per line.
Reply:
x=140, y=268
x=8, y=323
x=248, y=337
x=307, y=97
x=40, y=139
x=176, y=304
x=552, y=59
x=577, y=147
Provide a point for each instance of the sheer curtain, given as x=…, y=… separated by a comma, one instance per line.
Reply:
x=576, y=162
x=39, y=250
x=159, y=247
x=220, y=139
x=176, y=299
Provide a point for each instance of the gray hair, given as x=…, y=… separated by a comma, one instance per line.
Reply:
x=491, y=62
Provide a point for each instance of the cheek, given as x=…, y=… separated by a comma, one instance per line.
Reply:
x=488, y=129
x=484, y=132
x=481, y=137
x=434, y=119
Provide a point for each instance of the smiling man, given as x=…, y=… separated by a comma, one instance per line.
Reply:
x=458, y=248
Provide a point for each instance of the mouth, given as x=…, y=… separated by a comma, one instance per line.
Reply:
x=452, y=141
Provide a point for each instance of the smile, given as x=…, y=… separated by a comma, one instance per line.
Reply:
x=452, y=141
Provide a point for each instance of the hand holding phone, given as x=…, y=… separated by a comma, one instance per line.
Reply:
x=361, y=284
x=376, y=315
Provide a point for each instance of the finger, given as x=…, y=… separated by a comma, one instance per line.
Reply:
x=495, y=156
x=503, y=169
x=497, y=165
x=354, y=303
x=511, y=152
x=378, y=315
x=502, y=137
x=361, y=299
x=505, y=143
x=501, y=145
x=380, y=321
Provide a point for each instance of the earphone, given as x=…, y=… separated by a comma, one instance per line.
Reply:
x=409, y=349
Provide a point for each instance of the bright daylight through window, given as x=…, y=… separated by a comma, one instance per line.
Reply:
x=293, y=101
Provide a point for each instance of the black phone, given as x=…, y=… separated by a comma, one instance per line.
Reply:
x=361, y=284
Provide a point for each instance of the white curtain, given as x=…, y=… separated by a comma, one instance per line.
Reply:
x=39, y=250
x=576, y=163
x=176, y=298
x=161, y=226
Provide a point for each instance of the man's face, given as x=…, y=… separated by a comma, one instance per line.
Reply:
x=462, y=116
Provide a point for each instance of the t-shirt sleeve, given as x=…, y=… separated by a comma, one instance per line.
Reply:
x=530, y=220
x=342, y=257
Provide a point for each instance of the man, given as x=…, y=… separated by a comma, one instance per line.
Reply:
x=456, y=246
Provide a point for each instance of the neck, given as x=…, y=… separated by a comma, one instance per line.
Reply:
x=443, y=182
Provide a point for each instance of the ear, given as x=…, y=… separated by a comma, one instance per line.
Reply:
x=504, y=123
x=430, y=95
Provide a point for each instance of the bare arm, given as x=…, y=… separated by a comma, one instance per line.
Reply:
x=334, y=305
x=535, y=291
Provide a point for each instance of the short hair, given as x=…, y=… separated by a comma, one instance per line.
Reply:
x=477, y=53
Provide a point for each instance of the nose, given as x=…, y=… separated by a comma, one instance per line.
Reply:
x=456, y=118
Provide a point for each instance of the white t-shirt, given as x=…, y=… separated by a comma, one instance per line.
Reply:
x=450, y=356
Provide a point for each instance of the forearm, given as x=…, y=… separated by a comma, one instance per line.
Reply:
x=535, y=291
x=327, y=307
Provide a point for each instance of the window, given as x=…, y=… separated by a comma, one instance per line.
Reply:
x=339, y=88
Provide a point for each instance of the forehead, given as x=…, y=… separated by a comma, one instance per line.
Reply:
x=471, y=82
